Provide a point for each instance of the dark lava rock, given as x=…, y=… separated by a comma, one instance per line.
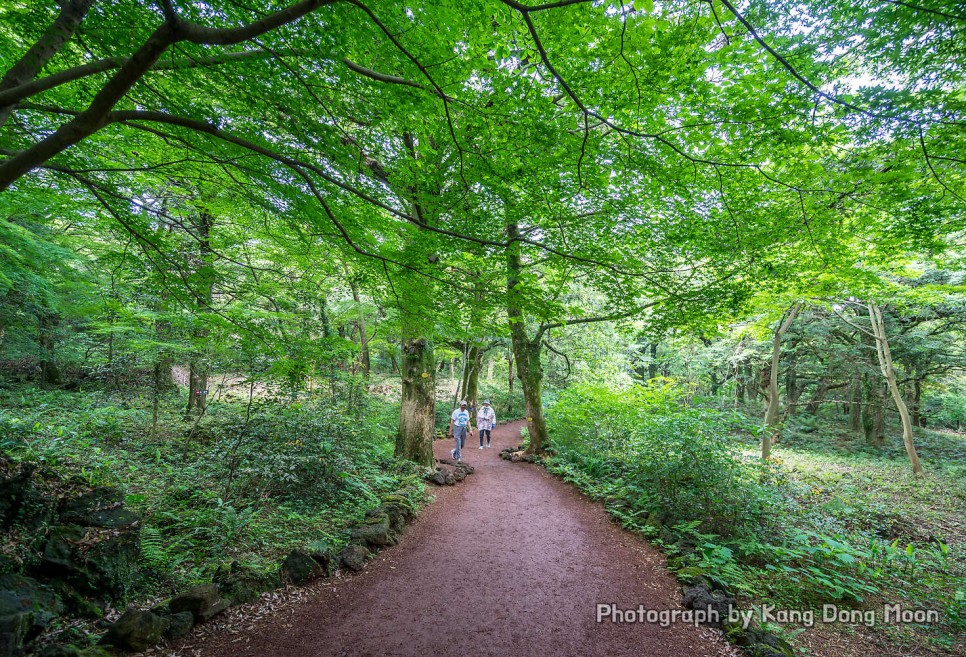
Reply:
x=438, y=478
x=241, y=584
x=102, y=507
x=13, y=630
x=136, y=631
x=109, y=563
x=114, y=562
x=699, y=597
x=202, y=601
x=20, y=594
x=60, y=549
x=354, y=557
x=23, y=503
x=179, y=625
x=300, y=568
x=374, y=531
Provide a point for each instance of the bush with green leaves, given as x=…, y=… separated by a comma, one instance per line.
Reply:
x=681, y=460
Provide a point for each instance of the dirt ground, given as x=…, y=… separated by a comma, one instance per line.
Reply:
x=511, y=562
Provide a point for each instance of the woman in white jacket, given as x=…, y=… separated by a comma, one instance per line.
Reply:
x=485, y=421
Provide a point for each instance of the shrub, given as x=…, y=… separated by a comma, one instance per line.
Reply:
x=682, y=459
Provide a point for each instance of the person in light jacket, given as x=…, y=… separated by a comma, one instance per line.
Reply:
x=485, y=421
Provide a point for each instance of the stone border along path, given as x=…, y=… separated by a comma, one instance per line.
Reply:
x=512, y=562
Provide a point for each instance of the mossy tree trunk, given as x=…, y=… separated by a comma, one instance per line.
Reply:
x=526, y=351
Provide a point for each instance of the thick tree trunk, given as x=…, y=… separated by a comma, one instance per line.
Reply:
x=489, y=369
x=418, y=409
x=885, y=364
x=526, y=352
x=772, y=426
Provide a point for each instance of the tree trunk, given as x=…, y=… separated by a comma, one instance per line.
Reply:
x=364, y=360
x=205, y=276
x=855, y=404
x=772, y=428
x=885, y=364
x=652, y=363
x=49, y=372
x=916, y=401
x=820, y=391
x=792, y=390
x=475, y=364
x=489, y=369
x=873, y=418
x=417, y=414
x=526, y=352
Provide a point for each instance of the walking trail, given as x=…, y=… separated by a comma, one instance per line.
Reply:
x=511, y=562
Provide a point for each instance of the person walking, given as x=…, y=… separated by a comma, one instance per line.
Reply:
x=485, y=421
x=459, y=424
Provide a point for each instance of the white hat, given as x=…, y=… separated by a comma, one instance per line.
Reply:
x=486, y=402
x=463, y=403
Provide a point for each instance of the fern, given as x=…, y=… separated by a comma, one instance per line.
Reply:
x=154, y=554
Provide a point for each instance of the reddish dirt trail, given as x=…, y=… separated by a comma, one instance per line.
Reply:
x=510, y=562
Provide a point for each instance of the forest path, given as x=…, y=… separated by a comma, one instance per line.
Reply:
x=510, y=562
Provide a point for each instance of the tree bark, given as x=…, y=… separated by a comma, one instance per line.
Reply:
x=474, y=366
x=526, y=351
x=873, y=418
x=71, y=14
x=364, y=360
x=820, y=391
x=885, y=364
x=855, y=404
x=772, y=425
x=417, y=414
x=916, y=402
x=205, y=275
x=47, y=323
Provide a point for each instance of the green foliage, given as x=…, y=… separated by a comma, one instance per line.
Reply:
x=248, y=488
x=681, y=460
x=803, y=530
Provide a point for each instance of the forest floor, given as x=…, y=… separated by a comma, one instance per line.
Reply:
x=511, y=562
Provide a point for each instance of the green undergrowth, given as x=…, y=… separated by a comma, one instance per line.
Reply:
x=243, y=485
x=828, y=521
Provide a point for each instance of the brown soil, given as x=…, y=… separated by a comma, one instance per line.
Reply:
x=510, y=562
